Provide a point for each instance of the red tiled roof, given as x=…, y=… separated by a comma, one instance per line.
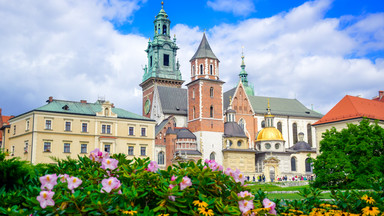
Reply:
x=351, y=107
x=5, y=119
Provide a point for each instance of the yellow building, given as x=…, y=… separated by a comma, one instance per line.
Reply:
x=67, y=128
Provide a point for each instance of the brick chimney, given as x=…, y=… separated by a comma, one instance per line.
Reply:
x=83, y=101
x=50, y=99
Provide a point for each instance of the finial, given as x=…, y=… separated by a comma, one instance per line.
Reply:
x=230, y=99
x=149, y=39
x=269, y=107
x=242, y=51
x=162, y=3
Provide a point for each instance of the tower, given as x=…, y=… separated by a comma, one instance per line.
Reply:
x=162, y=67
x=244, y=78
x=205, y=102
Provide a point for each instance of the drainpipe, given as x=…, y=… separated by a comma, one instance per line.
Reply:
x=33, y=131
x=288, y=132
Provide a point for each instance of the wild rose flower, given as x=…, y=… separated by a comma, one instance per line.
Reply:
x=245, y=205
x=110, y=184
x=109, y=163
x=244, y=194
x=73, y=182
x=269, y=204
x=152, y=167
x=186, y=182
x=45, y=199
x=63, y=178
x=97, y=155
x=48, y=181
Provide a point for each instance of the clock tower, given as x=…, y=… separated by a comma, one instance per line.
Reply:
x=162, y=68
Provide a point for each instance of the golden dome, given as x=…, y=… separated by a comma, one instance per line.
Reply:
x=269, y=133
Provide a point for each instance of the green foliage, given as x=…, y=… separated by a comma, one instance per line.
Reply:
x=351, y=158
x=14, y=173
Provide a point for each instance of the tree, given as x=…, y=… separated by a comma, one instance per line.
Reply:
x=351, y=158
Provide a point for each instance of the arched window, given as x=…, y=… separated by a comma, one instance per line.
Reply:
x=160, y=136
x=201, y=69
x=280, y=127
x=211, y=112
x=308, y=167
x=193, y=70
x=106, y=112
x=293, y=164
x=309, y=133
x=294, y=132
x=239, y=143
x=211, y=92
x=193, y=93
x=164, y=29
x=242, y=124
x=212, y=156
x=211, y=69
x=160, y=158
x=263, y=124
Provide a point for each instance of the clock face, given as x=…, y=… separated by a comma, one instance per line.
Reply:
x=147, y=106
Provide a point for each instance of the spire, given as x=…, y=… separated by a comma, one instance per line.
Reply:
x=204, y=50
x=243, y=74
x=268, y=117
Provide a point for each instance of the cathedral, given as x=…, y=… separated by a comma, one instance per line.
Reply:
x=259, y=135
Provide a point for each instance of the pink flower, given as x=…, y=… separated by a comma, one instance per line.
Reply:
x=153, y=167
x=48, y=181
x=172, y=198
x=63, y=178
x=173, y=178
x=109, y=163
x=73, y=182
x=269, y=204
x=244, y=194
x=229, y=172
x=110, y=184
x=45, y=199
x=97, y=155
x=239, y=176
x=245, y=205
x=185, y=183
x=213, y=165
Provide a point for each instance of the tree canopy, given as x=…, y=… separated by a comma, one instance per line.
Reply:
x=352, y=157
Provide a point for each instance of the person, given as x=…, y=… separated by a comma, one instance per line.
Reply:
x=253, y=178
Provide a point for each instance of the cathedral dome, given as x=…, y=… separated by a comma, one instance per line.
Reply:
x=269, y=133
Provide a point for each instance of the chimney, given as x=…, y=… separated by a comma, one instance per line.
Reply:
x=50, y=99
x=113, y=105
x=381, y=94
x=83, y=101
x=0, y=111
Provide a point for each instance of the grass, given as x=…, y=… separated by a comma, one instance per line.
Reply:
x=292, y=196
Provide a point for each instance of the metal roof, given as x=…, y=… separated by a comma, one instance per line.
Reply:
x=173, y=100
x=204, y=50
x=232, y=129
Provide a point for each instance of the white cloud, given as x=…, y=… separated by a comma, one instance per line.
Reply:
x=237, y=7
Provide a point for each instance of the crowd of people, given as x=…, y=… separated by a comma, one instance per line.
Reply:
x=261, y=178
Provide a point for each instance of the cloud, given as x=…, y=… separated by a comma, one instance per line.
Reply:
x=237, y=7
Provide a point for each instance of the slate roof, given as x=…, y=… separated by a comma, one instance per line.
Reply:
x=302, y=146
x=184, y=133
x=160, y=126
x=89, y=109
x=188, y=152
x=232, y=129
x=279, y=106
x=173, y=100
x=351, y=107
x=204, y=50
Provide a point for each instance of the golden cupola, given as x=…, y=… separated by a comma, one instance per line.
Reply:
x=269, y=132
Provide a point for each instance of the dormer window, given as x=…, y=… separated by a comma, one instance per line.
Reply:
x=106, y=112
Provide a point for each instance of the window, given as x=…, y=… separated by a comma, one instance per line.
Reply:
x=130, y=150
x=143, y=132
x=280, y=127
x=239, y=143
x=267, y=145
x=211, y=112
x=67, y=126
x=164, y=29
x=309, y=132
x=212, y=156
x=84, y=127
x=242, y=124
x=27, y=125
x=84, y=148
x=13, y=151
x=193, y=70
x=211, y=69
x=26, y=147
x=67, y=148
x=193, y=93
x=165, y=140
x=130, y=131
x=230, y=143
x=211, y=92
x=293, y=164
x=166, y=60
x=277, y=145
x=150, y=61
x=308, y=167
x=143, y=151
x=160, y=158
x=48, y=124
x=106, y=129
x=263, y=124
x=193, y=112
x=47, y=146
x=294, y=131
x=201, y=69
x=107, y=148
x=14, y=129
x=106, y=112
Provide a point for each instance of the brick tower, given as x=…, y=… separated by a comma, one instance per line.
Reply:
x=162, y=68
x=205, y=102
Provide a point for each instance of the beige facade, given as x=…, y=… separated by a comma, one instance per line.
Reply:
x=38, y=135
x=237, y=155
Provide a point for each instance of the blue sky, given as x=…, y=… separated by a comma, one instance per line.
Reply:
x=315, y=51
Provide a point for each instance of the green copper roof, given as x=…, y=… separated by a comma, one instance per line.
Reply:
x=204, y=50
x=90, y=109
x=244, y=79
